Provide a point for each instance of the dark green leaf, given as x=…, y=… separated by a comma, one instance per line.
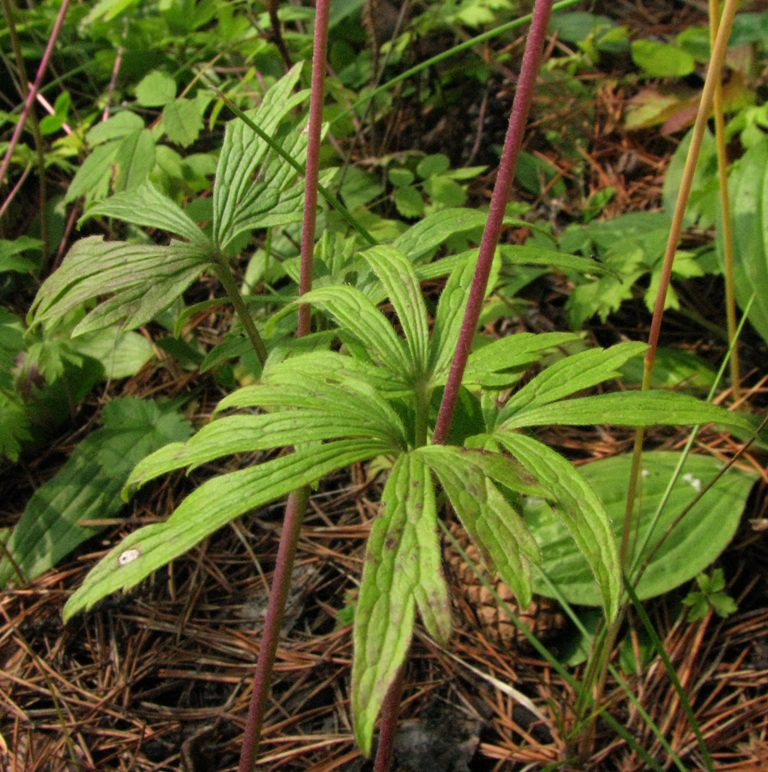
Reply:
x=88, y=486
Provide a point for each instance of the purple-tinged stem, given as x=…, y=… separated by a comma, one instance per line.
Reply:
x=313, y=158
x=389, y=710
x=297, y=501
x=506, y=173
x=35, y=88
x=512, y=143
x=281, y=582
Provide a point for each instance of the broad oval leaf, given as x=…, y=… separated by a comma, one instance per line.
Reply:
x=693, y=544
x=749, y=216
x=88, y=486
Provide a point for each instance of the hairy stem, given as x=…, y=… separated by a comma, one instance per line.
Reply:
x=521, y=106
x=224, y=275
x=506, y=173
x=297, y=501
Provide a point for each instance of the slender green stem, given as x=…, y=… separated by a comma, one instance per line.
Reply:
x=705, y=107
x=221, y=267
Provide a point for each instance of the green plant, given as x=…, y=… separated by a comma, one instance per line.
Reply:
x=710, y=595
x=451, y=418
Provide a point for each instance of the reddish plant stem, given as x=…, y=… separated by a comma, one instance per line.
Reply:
x=289, y=539
x=512, y=144
x=313, y=159
x=32, y=93
x=297, y=501
x=389, y=710
x=506, y=173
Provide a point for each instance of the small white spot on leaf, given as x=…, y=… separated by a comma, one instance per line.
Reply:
x=694, y=482
x=128, y=556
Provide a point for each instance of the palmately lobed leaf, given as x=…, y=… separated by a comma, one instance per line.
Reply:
x=577, y=506
x=208, y=508
x=569, y=375
x=243, y=151
x=143, y=281
x=397, y=275
x=360, y=318
x=403, y=569
x=467, y=477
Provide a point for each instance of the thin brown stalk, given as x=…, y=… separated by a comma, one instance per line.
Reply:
x=722, y=171
x=297, y=501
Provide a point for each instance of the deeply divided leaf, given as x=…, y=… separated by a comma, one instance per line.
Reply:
x=578, y=508
x=208, y=508
x=402, y=570
x=488, y=516
x=143, y=281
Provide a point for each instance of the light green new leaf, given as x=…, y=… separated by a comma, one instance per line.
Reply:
x=144, y=281
x=435, y=228
x=402, y=570
x=501, y=363
x=578, y=509
x=245, y=434
x=156, y=88
x=346, y=396
x=147, y=207
x=241, y=155
x=325, y=411
x=209, y=507
x=448, y=319
x=183, y=121
x=690, y=547
x=494, y=526
x=88, y=486
x=628, y=408
x=134, y=160
x=355, y=314
x=569, y=375
x=321, y=364
x=398, y=276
